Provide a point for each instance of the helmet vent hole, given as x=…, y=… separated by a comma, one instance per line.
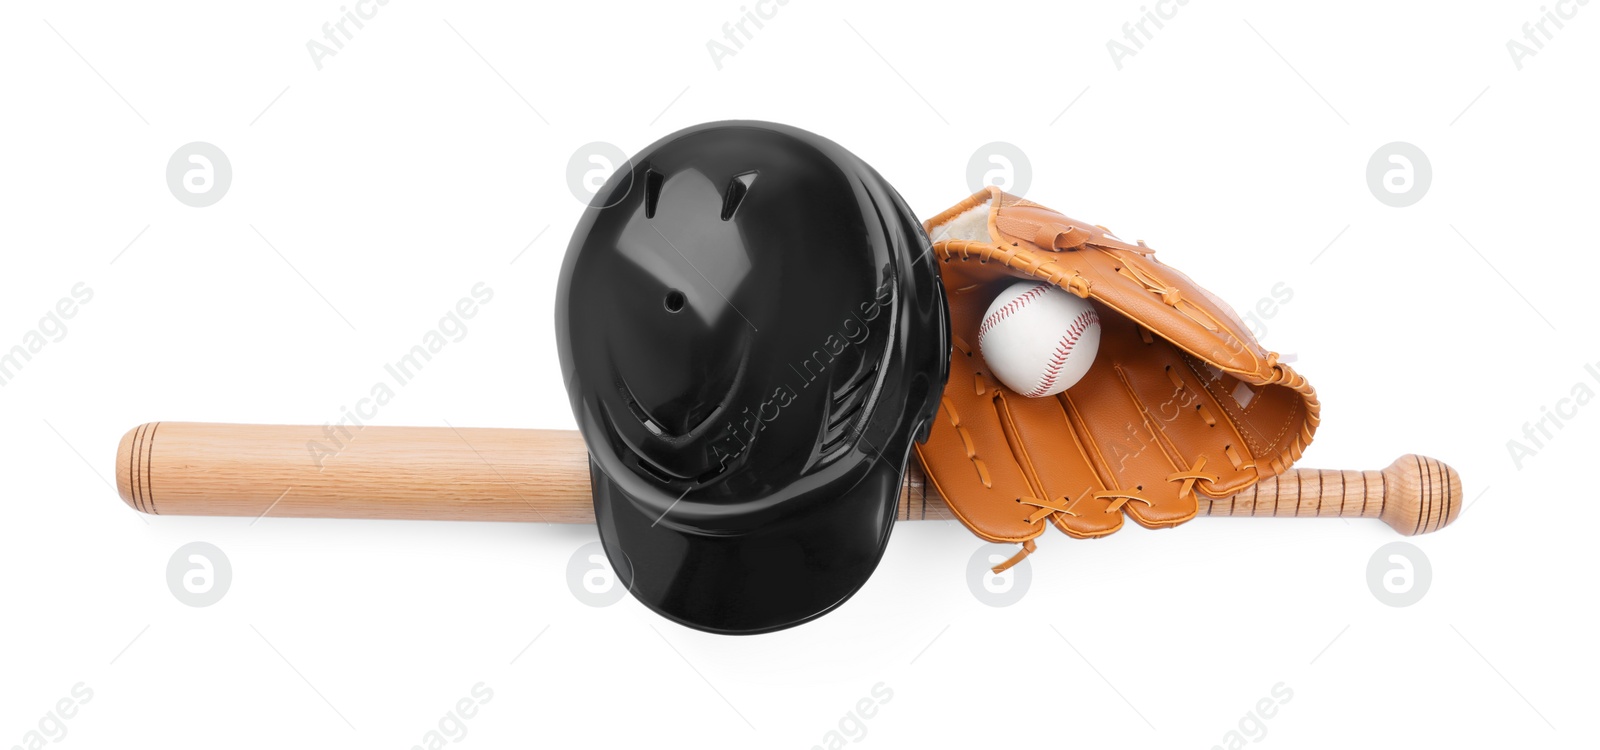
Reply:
x=674, y=301
x=847, y=410
x=738, y=187
x=652, y=192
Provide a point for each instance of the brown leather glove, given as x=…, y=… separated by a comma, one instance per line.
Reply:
x=1180, y=398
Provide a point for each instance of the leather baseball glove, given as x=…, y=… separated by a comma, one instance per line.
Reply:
x=1180, y=399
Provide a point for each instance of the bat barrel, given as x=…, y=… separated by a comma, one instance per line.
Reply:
x=441, y=473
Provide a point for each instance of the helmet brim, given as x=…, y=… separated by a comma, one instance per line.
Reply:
x=771, y=578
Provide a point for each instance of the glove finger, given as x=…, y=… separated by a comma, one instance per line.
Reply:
x=1053, y=452
x=1123, y=426
x=969, y=454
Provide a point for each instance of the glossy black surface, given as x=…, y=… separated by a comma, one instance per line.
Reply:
x=751, y=336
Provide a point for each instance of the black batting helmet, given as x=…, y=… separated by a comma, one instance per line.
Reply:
x=751, y=335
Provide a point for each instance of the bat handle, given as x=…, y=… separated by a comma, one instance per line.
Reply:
x=1414, y=495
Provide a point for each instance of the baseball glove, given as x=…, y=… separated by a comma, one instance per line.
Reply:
x=1180, y=399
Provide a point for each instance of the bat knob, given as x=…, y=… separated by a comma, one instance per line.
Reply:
x=1420, y=495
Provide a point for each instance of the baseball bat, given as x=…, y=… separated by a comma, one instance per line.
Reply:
x=489, y=474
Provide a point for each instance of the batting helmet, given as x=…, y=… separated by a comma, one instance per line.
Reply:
x=751, y=335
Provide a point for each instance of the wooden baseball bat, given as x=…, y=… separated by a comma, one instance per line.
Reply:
x=477, y=474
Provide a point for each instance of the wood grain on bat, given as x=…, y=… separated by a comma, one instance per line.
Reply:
x=491, y=474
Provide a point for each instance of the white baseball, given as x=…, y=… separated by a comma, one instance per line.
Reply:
x=1038, y=339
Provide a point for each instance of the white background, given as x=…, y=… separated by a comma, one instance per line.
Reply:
x=432, y=153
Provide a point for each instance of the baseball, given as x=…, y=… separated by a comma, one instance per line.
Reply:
x=1039, y=340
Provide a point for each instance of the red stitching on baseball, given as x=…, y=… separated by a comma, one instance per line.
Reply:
x=1019, y=302
x=1063, y=348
